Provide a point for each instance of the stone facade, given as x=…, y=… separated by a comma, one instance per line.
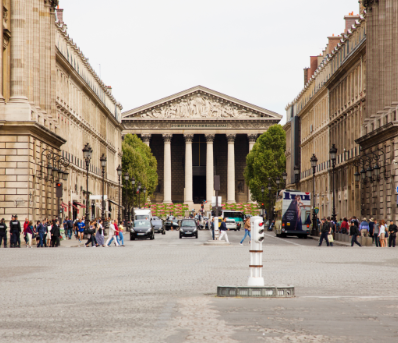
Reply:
x=330, y=110
x=210, y=134
x=53, y=103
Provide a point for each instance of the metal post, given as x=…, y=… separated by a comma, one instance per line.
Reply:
x=334, y=208
x=314, y=216
x=118, y=214
x=139, y=198
x=87, y=223
x=103, y=196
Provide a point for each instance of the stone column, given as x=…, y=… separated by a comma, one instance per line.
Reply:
x=209, y=168
x=146, y=138
x=252, y=141
x=231, y=168
x=167, y=168
x=188, y=170
x=1, y=55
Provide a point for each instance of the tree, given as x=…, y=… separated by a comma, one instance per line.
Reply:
x=140, y=163
x=266, y=160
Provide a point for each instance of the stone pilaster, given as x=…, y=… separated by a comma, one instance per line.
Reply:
x=167, y=168
x=231, y=169
x=146, y=138
x=252, y=140
x=188, y=198
x=209, y=168
x=1, y=57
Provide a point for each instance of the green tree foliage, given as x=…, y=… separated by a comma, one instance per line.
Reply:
x=266, y=160
x=140, y=163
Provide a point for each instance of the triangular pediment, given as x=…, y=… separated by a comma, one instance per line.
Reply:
x=199, y=103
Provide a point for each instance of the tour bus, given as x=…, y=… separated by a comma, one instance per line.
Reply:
x=235, y=215
x=293, y=214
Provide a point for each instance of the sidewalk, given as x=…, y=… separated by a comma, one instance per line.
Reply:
x=345, y=240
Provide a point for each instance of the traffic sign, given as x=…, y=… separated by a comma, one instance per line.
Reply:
x=316, y=210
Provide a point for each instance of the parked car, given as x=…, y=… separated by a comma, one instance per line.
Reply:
x=188, y=228
x=142, y=229
x=158, y=226
x=231, y=224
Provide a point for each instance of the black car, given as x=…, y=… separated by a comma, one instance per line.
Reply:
x=188, y=228
x=171, y=224
x=158, y=226
x=142, y=229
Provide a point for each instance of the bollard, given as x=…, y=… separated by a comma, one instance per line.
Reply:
x=216, y=229
x=256, y=252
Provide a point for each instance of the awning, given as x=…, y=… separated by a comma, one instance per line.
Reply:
x=75, y=207
x=81, y=205
x=115, y=203
x=64, y=205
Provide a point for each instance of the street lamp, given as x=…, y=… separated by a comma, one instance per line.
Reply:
x=333, y=153
x=133, y=184
x=119, y=174
x=296, y=173
x=314, y=162
x=126, y=178
x=144, y=190
x=269, y=199
x=139, y=194
x=263, y=207
x=103, y=165
x=87, y=153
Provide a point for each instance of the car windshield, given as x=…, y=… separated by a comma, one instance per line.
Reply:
x=157, y=222
x=142, y=223
x=188, y=223
x=144, y=216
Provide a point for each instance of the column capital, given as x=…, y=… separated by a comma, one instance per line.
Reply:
x=167, y=137
x=210, y=138
x=231, y=138
x=188, y=138
x=146, y=137
x=252, y=137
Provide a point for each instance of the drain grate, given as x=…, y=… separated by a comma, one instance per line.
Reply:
x=256, y=292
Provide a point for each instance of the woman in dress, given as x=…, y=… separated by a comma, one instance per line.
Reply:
x=48, y=237
x=100, y=234
x=382, y=233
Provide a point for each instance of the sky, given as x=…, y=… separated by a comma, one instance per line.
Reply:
x=253, y=50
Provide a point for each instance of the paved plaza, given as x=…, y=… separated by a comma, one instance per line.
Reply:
x=164, y=291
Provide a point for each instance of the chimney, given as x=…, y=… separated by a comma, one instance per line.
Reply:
x=313, y=66
x=306, y=75
x=109, y=89
x=333, y=41
x=350, y=20
x=60, y=15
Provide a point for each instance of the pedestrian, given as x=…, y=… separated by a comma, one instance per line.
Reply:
x=332, y=228
x=15, y=232
x=212, y=226
x=223, y=229
x=364, y=228
x=3, y=232
x=40, y=229
x=325, y=229
x=376, y=231
x=29, y=234
x=25, y=226
x=69, y=227
x=91, y=234
x=55, y=233
x=344, y=226
x=354, y=232
x=393, y=234
x=387, y=235
x=81, y=226
x=100, y=234
x=121, y=237
x=247, y=231
x=382, y=233
x=48, y=236
x=112, y=230
x=371, y=226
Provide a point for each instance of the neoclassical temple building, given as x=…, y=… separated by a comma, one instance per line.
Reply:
x=196, y=134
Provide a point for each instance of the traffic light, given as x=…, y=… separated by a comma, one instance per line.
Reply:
x=260, y=233
x=59, y=189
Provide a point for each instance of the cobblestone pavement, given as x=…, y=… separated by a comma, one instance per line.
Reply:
x=164, y=291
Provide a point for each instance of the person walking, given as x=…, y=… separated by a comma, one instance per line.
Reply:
x=91, y=235
x=325, y=229
x=382, y=233
x=247, y=231
x=48, y=236
x=81, y=226
x=344, y=226
x=376, y=230
x=15, y=232
x=364, y=228
x=3, y=232
x=69, y=228
x=121, y=237
x=371, y=227
x=100, y=234
x=112, y=230
x=25, y=226
x=392, y=234
x=212, y=226
x=354, y=232
x=29, y=233
x=223, y=229
x=40, y=229
x=55, y=233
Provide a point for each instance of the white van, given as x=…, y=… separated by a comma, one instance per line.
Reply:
x=142, y=214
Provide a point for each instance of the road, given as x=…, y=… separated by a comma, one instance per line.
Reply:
x=164, y=291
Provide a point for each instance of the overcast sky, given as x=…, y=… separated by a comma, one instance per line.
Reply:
x=254, y=50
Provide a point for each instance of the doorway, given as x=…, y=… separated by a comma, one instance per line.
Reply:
x=199, y=189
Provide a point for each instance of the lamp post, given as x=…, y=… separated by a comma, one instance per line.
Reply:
x=263, y=207
x=269, y=195
x=314, y=162
x=144, y=190
x=284, y=177
x=139, y=194
x=87, y=153
x=296, y=174
x=333, y=153
x=133, y=184
x=103, y=165
x=126, y=178
x=119, y=174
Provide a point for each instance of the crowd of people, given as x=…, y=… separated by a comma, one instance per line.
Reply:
x=47, y=233
x=383, y=233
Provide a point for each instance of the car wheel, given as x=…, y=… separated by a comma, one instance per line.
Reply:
x=196, y=236
x=180, y=237
x=132, y=238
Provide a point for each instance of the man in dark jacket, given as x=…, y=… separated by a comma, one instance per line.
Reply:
x=325, y=229
x=55, y=233
x=15, y=232
x=69, y=228
x=3, y=233
x=392, y=234
x=354, y=232
x=40, y=230
x=223, y=229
